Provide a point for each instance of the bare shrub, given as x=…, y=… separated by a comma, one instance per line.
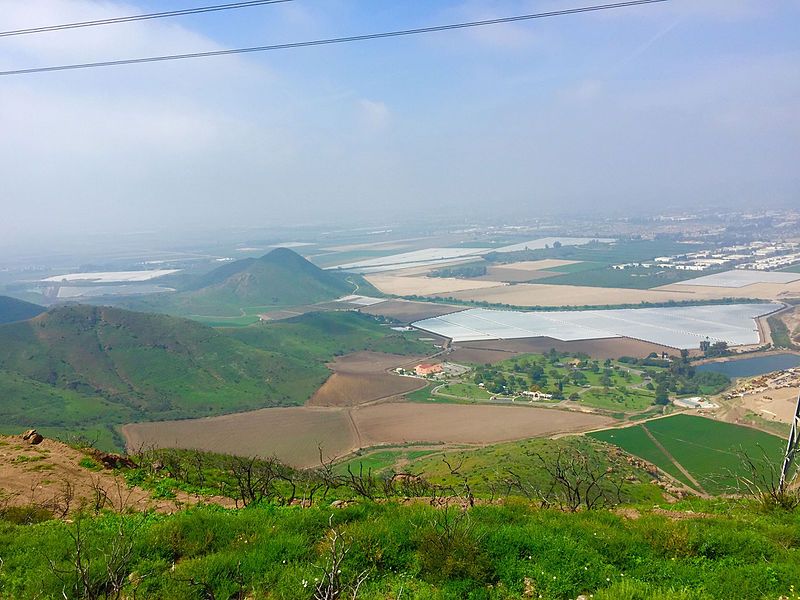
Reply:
x=333, y=584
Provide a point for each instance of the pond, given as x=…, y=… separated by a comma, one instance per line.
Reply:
x=749, y=367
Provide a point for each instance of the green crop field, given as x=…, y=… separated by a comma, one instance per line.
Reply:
x=709, y=450
x=578, y=267
x=632, y=278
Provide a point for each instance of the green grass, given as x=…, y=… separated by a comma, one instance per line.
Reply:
x=633, y=278
x=624, y=392
x=710, y=450
x=496, y=552
x=384, y=461
x=322, y=335
x=577, y=267
x=635, y=440
x=625, y=399
x=80, y=370
x=488, y=469
x=467, y=391
x=792, y=269
x=781, y=337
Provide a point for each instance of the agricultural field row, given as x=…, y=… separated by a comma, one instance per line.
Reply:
x=710, y=451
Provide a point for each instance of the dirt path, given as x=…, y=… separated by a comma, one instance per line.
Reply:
x=699, y=488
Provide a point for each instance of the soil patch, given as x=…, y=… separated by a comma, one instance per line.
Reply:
x=290, y=434
x=371, y=362
x=400, y=422
x=293, y=434
x=351, y=389
x=50, y=475
x=425, y=286
x=407, y=311
x=539, y=265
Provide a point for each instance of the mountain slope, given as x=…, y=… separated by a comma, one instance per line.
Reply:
x=109, y=365
x=12, y=310
x=279, y=278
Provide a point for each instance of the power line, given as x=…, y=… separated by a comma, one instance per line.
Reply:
x=330, y=41
x=144, y=17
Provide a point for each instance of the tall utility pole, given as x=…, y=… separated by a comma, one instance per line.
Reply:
x=792, y=448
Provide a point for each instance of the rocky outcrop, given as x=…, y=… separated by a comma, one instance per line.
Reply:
x=33, y=437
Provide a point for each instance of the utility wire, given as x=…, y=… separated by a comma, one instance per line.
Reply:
x=144, y=17
x=330, y=41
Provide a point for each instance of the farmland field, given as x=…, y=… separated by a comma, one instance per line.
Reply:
x=641, y=278
x=709, y=450
x=294, y=434
x=679, y=327
x=497, y=350
x=349, y=389
x=407, y=311
x=400, y=285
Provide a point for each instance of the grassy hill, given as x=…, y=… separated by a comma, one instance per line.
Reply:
x=12, y=310
x=501, y=548
x=82, y=369
x=79, y=364
x=280, y=278
x=319, y=336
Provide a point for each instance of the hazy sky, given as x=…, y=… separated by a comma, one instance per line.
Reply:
x=669, y=105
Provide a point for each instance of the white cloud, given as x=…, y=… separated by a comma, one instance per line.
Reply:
x=375, y=115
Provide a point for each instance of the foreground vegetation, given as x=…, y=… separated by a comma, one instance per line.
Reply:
x=375, y=550
x=542, y=518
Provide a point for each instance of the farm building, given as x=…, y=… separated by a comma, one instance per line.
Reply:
x=537, y=395
x=424, y=369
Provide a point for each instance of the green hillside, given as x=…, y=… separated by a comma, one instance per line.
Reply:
x=243, y=288
x=111, y=365
x=12, y=310
x=82, y=369
x=319, y=336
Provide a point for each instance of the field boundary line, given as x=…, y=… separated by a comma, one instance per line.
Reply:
x=672, y=459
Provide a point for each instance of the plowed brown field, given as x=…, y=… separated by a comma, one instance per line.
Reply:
x=293, y=434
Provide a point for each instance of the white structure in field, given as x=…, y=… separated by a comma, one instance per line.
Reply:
x=694, y=402
x=741, y=278
x=678, y=327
